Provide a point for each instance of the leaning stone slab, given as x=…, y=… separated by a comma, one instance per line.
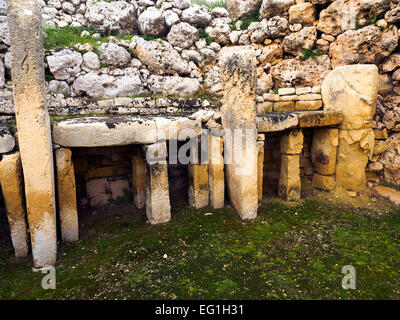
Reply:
x=67, y=195
x=274, y=122
x=104, y=131
x=12, y=187
x=34, y=133
x=352, y=90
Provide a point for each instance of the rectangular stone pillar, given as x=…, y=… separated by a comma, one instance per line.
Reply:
x=67, y=195
x=260, y=165
x=216, y=177
x=158, y=208
x=238, y=72
x=289, y=180
x=198, y=185
x=139, y=179
x=33, y=123
x=12, y=187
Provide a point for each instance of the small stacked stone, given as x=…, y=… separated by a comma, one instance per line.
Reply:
x=291, y=99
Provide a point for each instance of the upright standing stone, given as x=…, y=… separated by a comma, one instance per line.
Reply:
x=33, y=123
x=289, y=178
x=324, y=150
x=238, y=71
x=260, y=167
x=158, y=208
x=11, y=185
x=67, y=195
x=353, y=90
x=216, y=177
x=198, y=185
x=139, y=179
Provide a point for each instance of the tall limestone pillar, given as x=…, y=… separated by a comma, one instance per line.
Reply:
x=67, y=195
x=238, y=71
x=158, y=207
x=12, y=187
x=33, y=123
x=353, y=90
x=216, y=176
x=260, y=165
x=139, y=179
x=289, y=179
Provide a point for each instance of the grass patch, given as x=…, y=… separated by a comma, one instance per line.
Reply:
x=248, y=20
x=204, y=35
x=288, y=252
x=210, y=4
x=313, y=54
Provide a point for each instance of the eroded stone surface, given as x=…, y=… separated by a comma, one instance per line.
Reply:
x=324, y=150
x=12, y=188
x=67, y=195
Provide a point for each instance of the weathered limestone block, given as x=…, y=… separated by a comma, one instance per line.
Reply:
x=289, y=180
x=355, y=148
x=292, y=142
x=311, y=119
x=7, y=141
x=352, y=90
x=139, y=179
x=67, y=195
x=158, y=208
x=216, y=176
x=33, y=122
x=324, y=150
x=238, y=70
x=198, y=185
x=11, y=185
x=326, y=183
x=260, y=168
x=274, y=122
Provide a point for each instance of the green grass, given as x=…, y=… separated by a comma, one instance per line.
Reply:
x=69, y=36
x=288, y=252
x=313, y=54
x=204, y=35
x=247, y=21
x=211, y=5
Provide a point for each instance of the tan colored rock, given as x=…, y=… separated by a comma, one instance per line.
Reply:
x=260, y=169
x=238, y=112
x=344, y=15
x=158, y=207
x=385, y=84
x=326, y=183
x=294, y=72
x=33, y=124
x=363, y=46
x=303, y=13
x=380, y=147
x=352, y=90
x=289, y=179
x=216, y=176
x=292, y=142
x=139, y=179
x=391, y=63
x=240, y=8
x=198, y=185
x=381, y=134
x=309, y=105
x=391, y=160
x=67, y=195
x=284, y=106
x=390, y=119
x=13, y=193
x=355, y=148
x=324, y=150
x=295, y=42
x=321, y=118
x=271, y=53
x=389, y=193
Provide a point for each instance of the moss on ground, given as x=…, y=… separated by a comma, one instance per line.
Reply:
x=288, y=252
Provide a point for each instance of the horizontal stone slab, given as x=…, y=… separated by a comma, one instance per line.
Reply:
x=118, y=131
x=280, y=121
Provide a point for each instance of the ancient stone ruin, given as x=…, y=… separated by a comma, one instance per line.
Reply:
x=156, y=99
